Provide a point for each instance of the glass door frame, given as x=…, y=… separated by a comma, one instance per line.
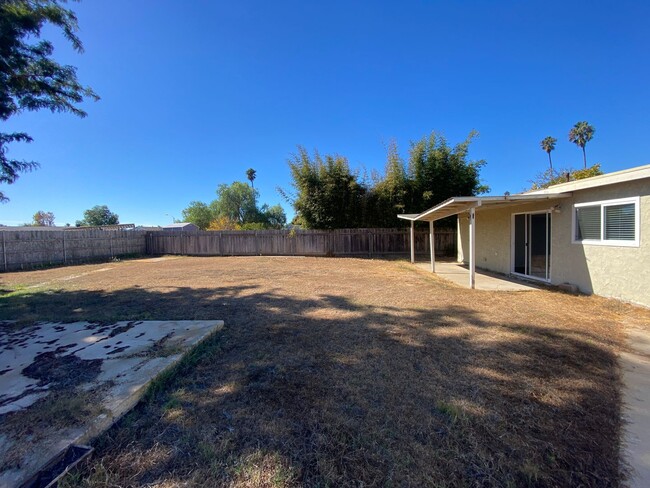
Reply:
x=549, y=221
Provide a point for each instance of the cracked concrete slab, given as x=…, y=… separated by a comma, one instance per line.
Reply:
x=109, y=365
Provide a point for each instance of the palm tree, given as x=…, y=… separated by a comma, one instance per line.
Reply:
x=250, y=174
x=581, y=134
x=548, y=144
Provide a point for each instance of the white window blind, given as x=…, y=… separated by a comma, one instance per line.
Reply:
x=588, y=223
x=619, y=222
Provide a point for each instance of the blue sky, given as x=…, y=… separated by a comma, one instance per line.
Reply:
x=195, y=92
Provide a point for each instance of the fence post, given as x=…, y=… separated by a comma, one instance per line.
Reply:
x=65, y=256
x=4, y=250
x=370, y=243
x=110, y=243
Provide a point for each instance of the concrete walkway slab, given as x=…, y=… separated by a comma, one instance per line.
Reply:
x=636, y=403
x=44, y=367
x=458, y=274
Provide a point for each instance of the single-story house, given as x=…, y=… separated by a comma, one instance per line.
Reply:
x=181, y=227
x=593, y=233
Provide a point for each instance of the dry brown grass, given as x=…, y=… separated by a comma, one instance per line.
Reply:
x=344, y=372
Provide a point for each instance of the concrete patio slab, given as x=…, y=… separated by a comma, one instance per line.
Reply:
x=458, y=274
x=45, y=367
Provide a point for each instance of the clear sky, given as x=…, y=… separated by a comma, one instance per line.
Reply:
x=195, y=92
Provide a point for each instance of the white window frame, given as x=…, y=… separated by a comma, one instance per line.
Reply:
x=602, y=241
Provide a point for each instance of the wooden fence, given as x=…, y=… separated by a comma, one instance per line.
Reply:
x=343, y=242
x=25, y=249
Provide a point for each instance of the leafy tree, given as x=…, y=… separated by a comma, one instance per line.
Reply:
x=98, y=215
x=580, y=135
x=30, y=79
x=274, y=217
x=328, y=194
x=43, y=219
x=237, y=202
x=438, y=172
x=199, y=214
x=548, y=145
x=390, y=193
x=251, y=175
x=235, y=208
x=548, y=178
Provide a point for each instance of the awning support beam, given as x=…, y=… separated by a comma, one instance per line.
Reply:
x=412, y=241
x=472, y=248
x=432, y=247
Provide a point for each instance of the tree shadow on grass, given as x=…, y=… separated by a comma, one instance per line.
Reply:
x=327, y=391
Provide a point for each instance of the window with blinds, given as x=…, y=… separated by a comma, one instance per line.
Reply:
x=588, y=223
x=612, y=222
x=619, y=222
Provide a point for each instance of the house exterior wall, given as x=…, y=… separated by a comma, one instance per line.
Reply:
x=611, y=271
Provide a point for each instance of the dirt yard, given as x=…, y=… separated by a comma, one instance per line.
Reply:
x=346, y=372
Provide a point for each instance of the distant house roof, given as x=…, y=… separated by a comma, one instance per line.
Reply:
x=148, y=227
x=180, y=226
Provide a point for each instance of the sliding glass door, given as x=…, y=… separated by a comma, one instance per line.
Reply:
x=531, y=245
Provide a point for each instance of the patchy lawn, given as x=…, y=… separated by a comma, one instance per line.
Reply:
x=346, y=372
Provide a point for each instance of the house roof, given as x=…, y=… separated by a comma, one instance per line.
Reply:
x=638, y=173
x=178, y=225
x=458, y=205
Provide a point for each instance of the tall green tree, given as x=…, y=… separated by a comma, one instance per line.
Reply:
x=437, y=171
x=328, y=195
x=580, y=134
x=30, y=79
x=251, y=175
x=98, y=215
x=548, y=145
x=389, y=195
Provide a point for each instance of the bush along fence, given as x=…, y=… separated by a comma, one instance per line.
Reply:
x=342, y=242
x=26, y=249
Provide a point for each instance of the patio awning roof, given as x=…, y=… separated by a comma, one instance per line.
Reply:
x=457, y=205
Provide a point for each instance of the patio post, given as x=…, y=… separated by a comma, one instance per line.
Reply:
x=432, y=247
x=472, y=248
x=412, y=241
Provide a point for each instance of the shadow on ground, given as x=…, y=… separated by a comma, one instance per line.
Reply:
x=328, y=391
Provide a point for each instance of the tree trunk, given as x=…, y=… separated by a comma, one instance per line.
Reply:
x=550, y=163
x=584, y=156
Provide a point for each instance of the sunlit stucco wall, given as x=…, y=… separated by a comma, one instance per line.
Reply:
x=612, y=271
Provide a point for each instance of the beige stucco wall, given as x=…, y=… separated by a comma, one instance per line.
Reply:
x=611, y=271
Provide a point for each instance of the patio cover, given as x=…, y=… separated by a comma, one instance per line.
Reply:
x=457, y=205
